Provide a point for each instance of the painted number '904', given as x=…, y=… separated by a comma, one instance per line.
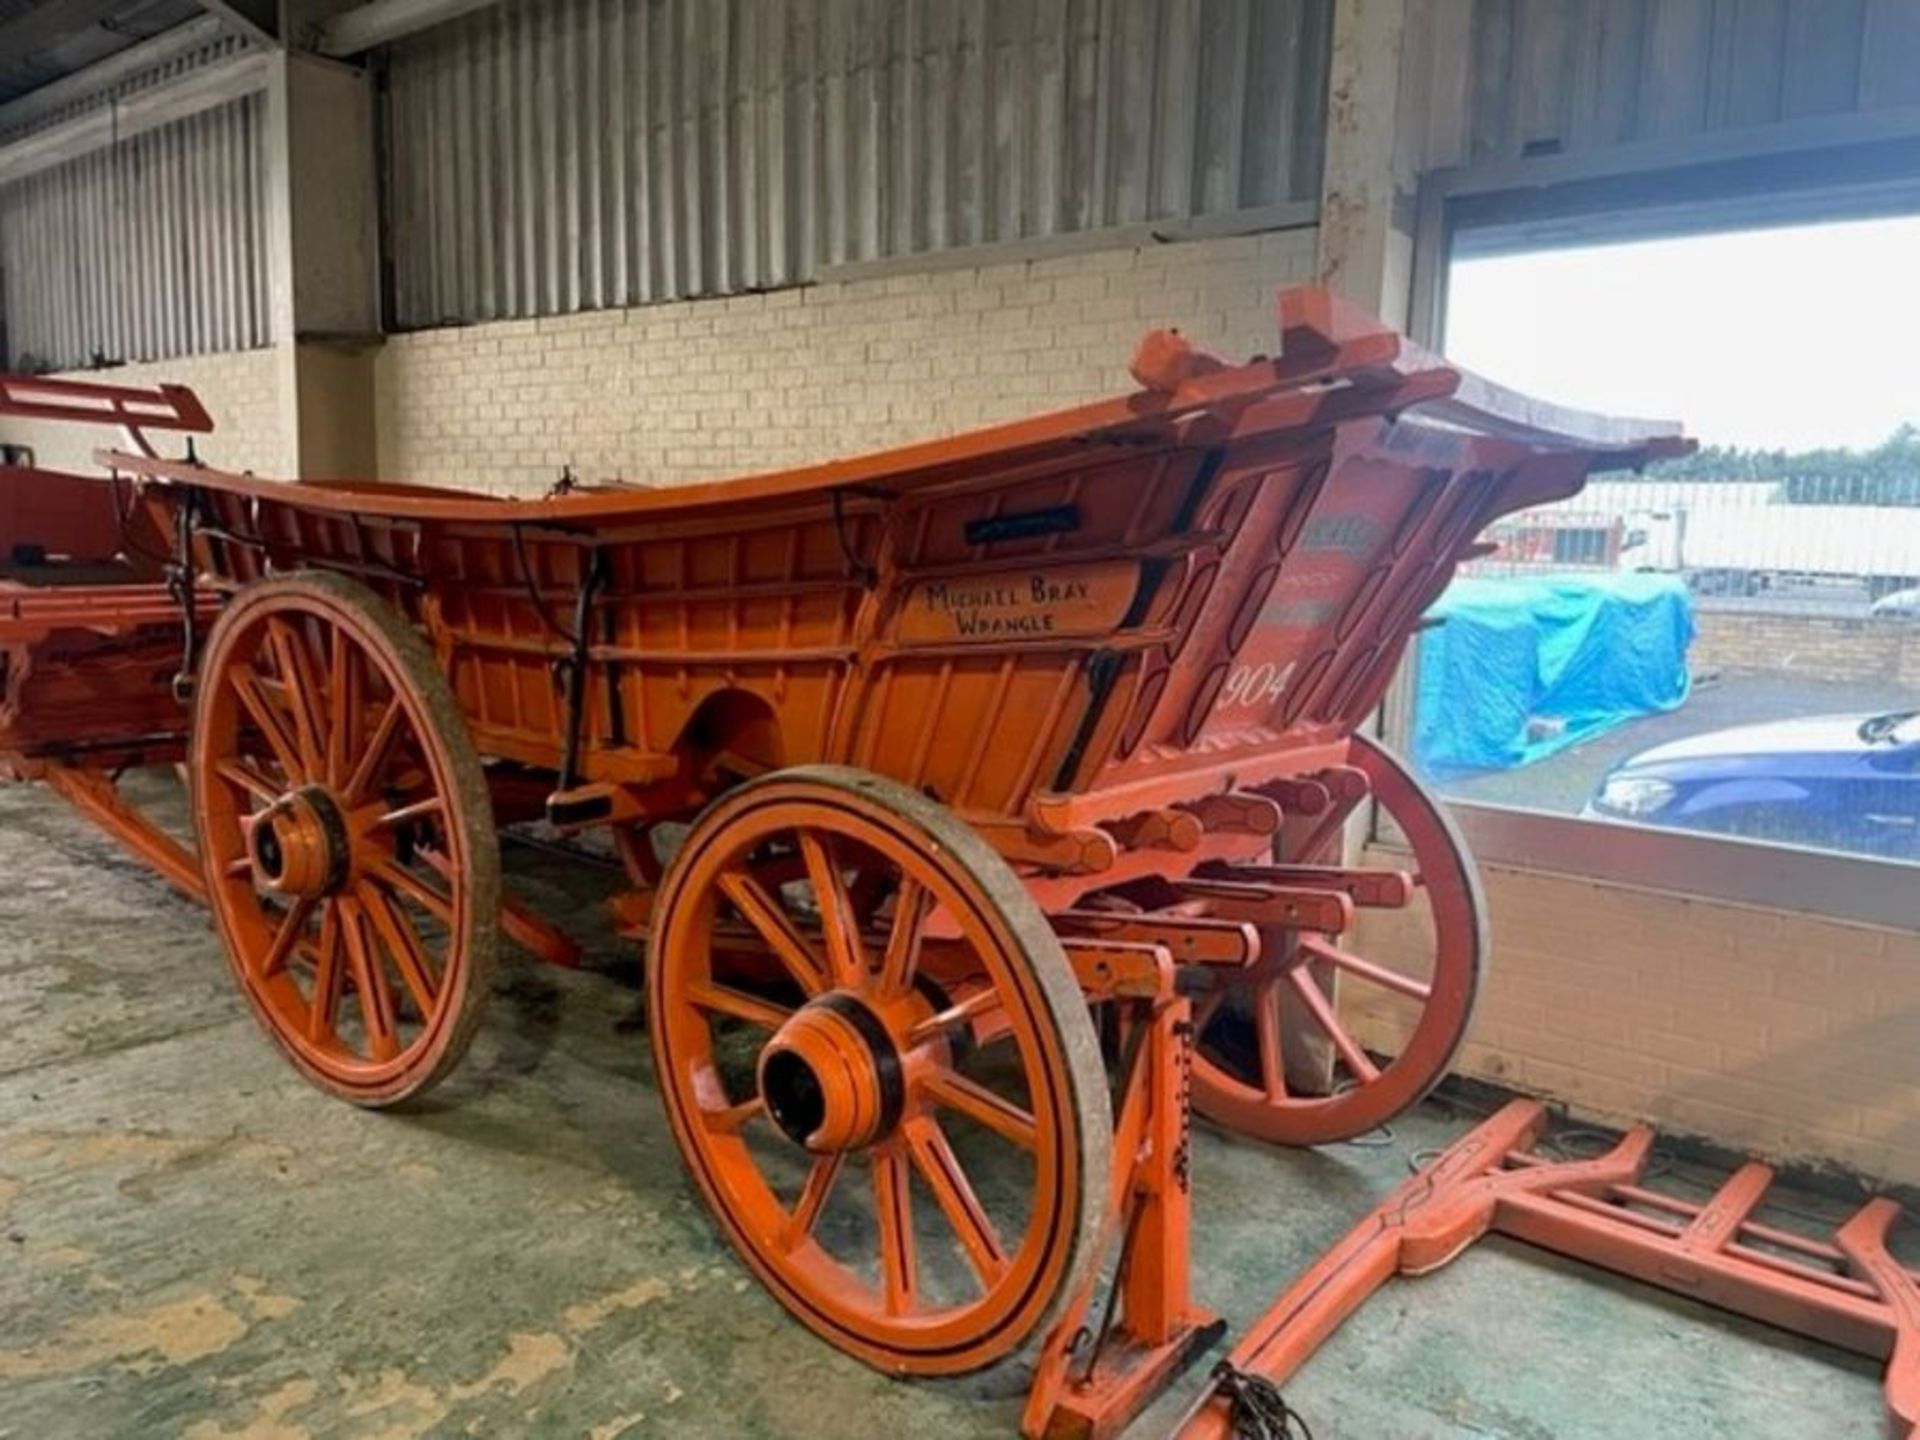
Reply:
x=1254, y=685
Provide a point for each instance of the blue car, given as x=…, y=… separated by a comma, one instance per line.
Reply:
x=1839, y=782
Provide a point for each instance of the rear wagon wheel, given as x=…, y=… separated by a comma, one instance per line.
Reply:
x=346, y=836
x=1250, y=1033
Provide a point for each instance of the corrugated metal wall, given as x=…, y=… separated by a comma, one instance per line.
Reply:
x=1564, y=75
x=559, y=155
x=151, y=248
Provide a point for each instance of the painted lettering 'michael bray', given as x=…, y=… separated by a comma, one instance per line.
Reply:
x=1018, y=605
x=1013, y=607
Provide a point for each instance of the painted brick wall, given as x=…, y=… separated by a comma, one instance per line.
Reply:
x=241, y=389
x=667, y=394
x=1787, y=1035
x=1817, y=646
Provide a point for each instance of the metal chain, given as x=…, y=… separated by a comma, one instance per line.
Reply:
x=1256, y=1409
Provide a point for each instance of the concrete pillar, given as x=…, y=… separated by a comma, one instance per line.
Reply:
x=323, y=227
x=1366, y=210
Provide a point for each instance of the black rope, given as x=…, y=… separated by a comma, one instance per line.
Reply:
x=856, y=567
x=121, y=517
x=1110, y=1310
x=1256, y=1410
x=181, y=576
x=533, y=590
x=576, y=666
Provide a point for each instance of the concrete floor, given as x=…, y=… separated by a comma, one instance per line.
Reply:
x=195, y=1244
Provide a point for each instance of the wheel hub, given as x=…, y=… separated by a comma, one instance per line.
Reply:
x=299, y=845
x=831, y=1076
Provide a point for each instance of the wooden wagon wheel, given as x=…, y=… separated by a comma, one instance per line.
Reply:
x=879, y=1068
x=1250, y=1035
x=346, y=836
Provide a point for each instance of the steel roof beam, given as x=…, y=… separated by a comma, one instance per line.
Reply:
x=381, y=22
x=103, y=75
x=142, y=111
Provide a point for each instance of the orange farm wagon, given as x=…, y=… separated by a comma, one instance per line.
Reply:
x=982, y=803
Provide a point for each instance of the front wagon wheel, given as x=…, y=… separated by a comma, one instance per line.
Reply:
x=345, y=835
x=879, y=1068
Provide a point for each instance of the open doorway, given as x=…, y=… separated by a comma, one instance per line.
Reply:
x=1731, y=642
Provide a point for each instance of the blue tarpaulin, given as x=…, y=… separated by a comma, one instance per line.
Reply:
x=1523, y=667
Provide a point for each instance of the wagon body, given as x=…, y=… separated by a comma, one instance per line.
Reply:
x=1051, y=627
x=966, y=744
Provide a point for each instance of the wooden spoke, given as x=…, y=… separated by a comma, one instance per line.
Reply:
x=369, y=984
x=302, y=691
x=1366, y=970
x=981, y=1105
x=433, y=805
x=940, y=1168
x=1321, y=1009
x=729, y=1119
x=1205, y=1008
x=293, y=926
x=839, y=922
x=737, y=1005
x=518, y=921
x=326, y=977
x=893, y=1208
x=402, y=943
x=374, y=758
x=764, y=913
x=244, y=777
x=902, y=956
x=1266, y=1022
x=399, y=879
x=981, y=1002
x=266, y=718
x=343, y=704
x=812, y=1200
x=1328, y=825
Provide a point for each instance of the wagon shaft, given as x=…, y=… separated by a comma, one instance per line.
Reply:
x=1847, y=1290
x=917, y=764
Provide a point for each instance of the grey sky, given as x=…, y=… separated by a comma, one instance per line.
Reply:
x=1794, y=337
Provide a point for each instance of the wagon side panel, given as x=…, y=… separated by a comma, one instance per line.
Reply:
x=736, y=645
x=725, y=639
x=1013, y=602
x=1284, y=637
